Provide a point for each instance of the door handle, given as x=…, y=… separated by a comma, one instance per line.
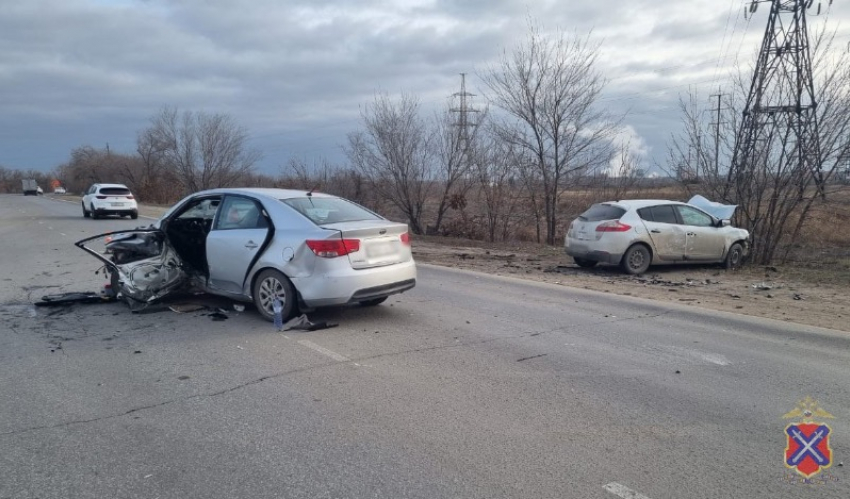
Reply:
x=655, y=231
x=250, y=245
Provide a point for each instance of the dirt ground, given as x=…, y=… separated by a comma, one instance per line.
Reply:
x=811, y=296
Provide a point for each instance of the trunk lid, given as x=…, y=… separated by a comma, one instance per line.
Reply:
x=380, y=242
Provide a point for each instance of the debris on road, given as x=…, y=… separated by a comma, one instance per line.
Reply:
x=184, y=308
x=73, y=297
x=218, y=315
x=302, y=323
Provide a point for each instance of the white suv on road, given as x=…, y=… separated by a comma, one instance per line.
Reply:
x=109, y=199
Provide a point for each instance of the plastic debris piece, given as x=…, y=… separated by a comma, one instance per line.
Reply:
x=74, y=297
x=183, y=308
x=302, y=323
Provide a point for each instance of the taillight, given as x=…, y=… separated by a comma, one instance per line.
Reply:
x=405, y=239
x=332, y=248
x=130, y=197
x=100, y=197
x=613, y=226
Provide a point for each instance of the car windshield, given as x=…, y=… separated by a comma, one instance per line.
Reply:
x=602, y=211
x=322, y=210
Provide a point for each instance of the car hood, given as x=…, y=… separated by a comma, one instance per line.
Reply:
x=719, y=210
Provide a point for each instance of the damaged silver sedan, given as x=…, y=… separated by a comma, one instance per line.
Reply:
x=252, y=245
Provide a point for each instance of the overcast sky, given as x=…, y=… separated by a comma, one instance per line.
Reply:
x=296, y=73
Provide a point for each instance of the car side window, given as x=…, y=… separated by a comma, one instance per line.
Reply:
x=203, y=209
x=664, y=214
x=240, y=213
x=692, y=216
x=645, y=214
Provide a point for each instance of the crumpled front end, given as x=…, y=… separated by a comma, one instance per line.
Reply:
x=139, y=274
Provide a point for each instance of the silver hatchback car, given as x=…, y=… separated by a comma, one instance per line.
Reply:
x=306, y=248
x=638, y=233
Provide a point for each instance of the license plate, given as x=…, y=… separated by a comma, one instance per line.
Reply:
x=378, y=250
x=116, y=204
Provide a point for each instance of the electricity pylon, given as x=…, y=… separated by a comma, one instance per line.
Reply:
x=778, y=137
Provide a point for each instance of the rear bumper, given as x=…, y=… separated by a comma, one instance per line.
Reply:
x=577, y=249
x=596, y=256
x=114, y=211
x=107, y=208
x=352, y=286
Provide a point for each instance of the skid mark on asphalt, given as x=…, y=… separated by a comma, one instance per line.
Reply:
x=620, y=490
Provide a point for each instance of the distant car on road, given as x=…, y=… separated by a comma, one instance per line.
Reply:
x=642, y=232
x=101, y=200
x=39, y=191
x=59, y=190
x=308, y=249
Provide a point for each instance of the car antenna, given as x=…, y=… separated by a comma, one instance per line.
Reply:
x=310, y=192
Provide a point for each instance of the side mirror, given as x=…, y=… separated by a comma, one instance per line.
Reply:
x=724, y=223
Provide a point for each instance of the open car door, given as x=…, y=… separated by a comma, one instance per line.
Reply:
x=143, y=266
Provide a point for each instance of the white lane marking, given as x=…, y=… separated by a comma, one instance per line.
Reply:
x=620, y=490
x=62, y=234
x=712, y=358
x=324, y=351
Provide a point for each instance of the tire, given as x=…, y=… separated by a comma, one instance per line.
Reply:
x=268, y=283
x=735, y=257
x=94, y=214
x=134, y=215
x=86, y=214
x=584, y=263
x=636, y=260
x=374, y=302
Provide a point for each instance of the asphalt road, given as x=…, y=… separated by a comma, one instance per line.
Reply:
x=468, y=386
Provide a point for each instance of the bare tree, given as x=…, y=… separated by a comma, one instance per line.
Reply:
x=549, y=88
x=775, y=201
x=454, y=152
x=203, y=150
x=393, y=153
x=496, y=170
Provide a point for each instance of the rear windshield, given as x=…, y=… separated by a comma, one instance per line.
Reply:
x=323, y=210
x=600, y=212
x=115, y=191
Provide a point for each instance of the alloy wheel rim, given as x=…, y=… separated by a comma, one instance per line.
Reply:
x=268, y=289
x=636, y=259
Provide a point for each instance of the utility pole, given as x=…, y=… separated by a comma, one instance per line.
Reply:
x=779, y=127
x=717, y=134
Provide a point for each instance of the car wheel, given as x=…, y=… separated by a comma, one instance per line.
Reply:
x=94, y=214
x=584, y=263
x=735, y=256
x=86, y=214
x=134, y=215
x=636, y=260
x=269, y=283
x=374, y=301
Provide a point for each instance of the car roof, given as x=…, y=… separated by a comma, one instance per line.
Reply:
x=641, y=203
x=267, y=192
x=122, y=186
